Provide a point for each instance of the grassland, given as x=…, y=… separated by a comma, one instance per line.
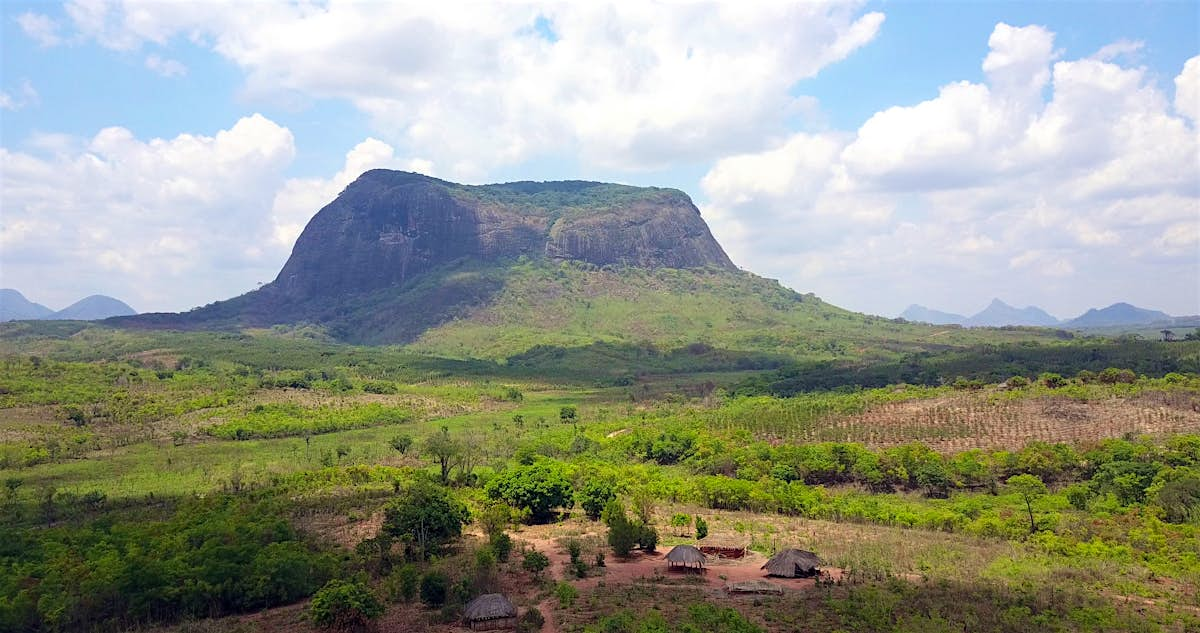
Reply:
x=120, y=446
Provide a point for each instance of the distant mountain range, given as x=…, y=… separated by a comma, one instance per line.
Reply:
x=15, y=307
x=998, y=314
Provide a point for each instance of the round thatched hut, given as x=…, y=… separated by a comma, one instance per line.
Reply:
x=793, y=563
x=490, y=612
x=685, y=556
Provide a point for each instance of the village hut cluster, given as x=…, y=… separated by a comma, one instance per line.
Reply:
x=788, y=563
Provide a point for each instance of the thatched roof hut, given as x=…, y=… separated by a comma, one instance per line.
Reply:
x=685, y=556
x=791, y=563
x=490, y=612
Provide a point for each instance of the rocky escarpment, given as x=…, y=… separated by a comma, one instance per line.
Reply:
x=389, y=227
x=398, y=253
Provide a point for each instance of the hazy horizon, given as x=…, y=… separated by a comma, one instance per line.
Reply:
x=875, y=154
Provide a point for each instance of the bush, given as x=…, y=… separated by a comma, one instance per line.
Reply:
x=647, y=538
x=535, y=563
x=566, y=594
x=501, y=545
x=531, y=621
x=1017, y=382
x=344, y=605
x=701, y=527
x=1052, y=380
x=1112, y=376
x=434, y=586
x=594, y=496
x=408, y=579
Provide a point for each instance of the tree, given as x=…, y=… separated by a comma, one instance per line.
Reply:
x=344, y=606
x=568, y=415
x=681, y=522
x=1180, y=499
x=1168, y=335
x=539, y=488
x=495, y=518
x=444, y=449
x=1030, y=487
x=643, y=506
x=401, y=443
x=622, y=533
x=594, y=495
x=426, y=516
x=535, y=563
x=701, y=528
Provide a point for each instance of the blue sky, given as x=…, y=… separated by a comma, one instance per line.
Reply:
x=878, y=154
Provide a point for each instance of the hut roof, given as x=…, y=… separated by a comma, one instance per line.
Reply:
x=685, y=555
x=790, y=562
x=489, y=606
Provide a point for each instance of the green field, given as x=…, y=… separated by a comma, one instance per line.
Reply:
x=166, y=479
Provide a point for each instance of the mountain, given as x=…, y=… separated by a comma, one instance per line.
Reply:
x=921, y=314
x=1118, y=314
x=15, y=307
x=999, y=314
x=495, y=271
x=92, y=308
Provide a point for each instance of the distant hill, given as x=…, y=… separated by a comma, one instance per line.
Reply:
x=999, y=314
x=15, y=307
x=921, y=314
x=1117, y=314
x=93, y=308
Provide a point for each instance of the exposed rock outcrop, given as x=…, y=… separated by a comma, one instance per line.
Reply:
x=388, y=227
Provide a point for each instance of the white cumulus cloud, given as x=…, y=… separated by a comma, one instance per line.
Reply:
x=627, y=85
x=160, y=223
x=1070, y=199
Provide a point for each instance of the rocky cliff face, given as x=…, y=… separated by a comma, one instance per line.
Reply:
x=388, y=227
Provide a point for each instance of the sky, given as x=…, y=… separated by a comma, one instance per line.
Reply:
x=877, y=154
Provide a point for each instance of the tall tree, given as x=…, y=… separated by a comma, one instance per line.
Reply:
x=444, y=449
x=1030, y=487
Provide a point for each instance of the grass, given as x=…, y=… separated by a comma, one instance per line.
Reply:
x=573, y=306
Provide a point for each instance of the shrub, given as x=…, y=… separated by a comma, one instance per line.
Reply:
x=647, y=538
x=1112, y=376
x=434, y=586
x=1052, y=380
x=535, y=563
x=566, y=594
x=501, y=545
x=408, y=580
x=701, y=527
x=1017, y=382
x=344, y=605
x=594, y=496
x=531, y=621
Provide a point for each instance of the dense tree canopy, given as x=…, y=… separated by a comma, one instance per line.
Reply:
x=425, y=516
x=540, y=488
